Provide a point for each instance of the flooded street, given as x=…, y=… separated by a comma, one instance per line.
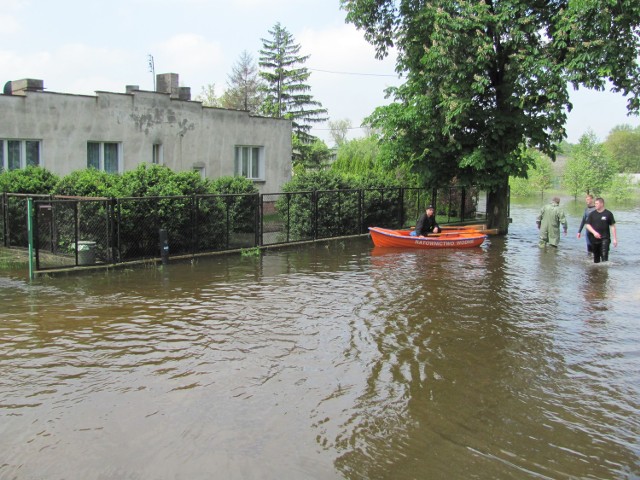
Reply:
x=329, y=361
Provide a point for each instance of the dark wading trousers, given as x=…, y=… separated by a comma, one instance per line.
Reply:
x=600, y=249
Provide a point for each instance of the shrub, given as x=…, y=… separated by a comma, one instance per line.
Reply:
x=337, y=207
x=90, y=183
x=36, y=180
x=240, y=197
x=229, y=184
x=160, y=181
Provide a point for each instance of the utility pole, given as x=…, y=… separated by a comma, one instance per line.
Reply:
x=152, y=69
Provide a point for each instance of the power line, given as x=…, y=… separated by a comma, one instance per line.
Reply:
x=353, y=73
x=350, y=128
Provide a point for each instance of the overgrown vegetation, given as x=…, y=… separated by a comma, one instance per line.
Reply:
x=35, y=180
x=338, y=202
x=623, y=146
x=589, y=168
x=483, y=81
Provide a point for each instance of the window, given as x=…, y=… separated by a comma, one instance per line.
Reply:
x=249, y=162
x=103, y=156
x=200, y=171
x=16, y=154
x=32, y=150
x=157, y=154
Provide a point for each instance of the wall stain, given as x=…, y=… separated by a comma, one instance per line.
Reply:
x=145, y=121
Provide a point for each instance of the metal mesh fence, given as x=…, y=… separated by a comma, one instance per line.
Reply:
x=383, y=207
x=287, y=217
x=73, y=233
x=14, y=224
x=77, y=232
x=138, y=222
x=456, y=204
x=3, y=219
x=414, y=202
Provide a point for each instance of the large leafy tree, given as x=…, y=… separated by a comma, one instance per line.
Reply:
x=539, y=177
x=487, y=80
x=243, y=86
x=623, y=144
x=285, y=83
x=590, y=169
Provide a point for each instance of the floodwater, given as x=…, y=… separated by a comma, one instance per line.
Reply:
x=331, y=361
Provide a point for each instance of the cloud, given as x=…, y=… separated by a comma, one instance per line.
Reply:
x=13, y=5
x=343, y=47
x=245, y=4
x=345, y=75
x=191, y=56
x=101, y=68
x=9, y=24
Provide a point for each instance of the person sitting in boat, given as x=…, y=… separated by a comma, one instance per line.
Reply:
x=426, y=224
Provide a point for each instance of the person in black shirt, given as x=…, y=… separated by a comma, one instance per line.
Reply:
x=602, y=227
x=588, y=209
x=427, y=223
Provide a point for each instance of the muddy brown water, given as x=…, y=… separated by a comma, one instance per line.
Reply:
x=329, y=361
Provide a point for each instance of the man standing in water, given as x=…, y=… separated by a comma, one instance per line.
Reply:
x=602, y=225
x=549, y=221
x=589, y=208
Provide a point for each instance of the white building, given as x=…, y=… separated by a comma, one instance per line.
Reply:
x=116, y=132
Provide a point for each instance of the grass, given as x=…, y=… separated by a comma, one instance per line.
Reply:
x=250, y=252
x=13, y=259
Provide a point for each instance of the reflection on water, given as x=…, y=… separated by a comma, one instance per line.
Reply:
x=337, y=360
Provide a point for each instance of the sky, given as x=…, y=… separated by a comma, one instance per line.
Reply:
x=84, y=46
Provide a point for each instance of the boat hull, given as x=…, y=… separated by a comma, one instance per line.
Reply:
x=383, y=237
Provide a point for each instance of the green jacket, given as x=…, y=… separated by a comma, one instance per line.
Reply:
x=550, y=218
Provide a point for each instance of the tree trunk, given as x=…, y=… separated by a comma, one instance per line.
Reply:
x=498, y=208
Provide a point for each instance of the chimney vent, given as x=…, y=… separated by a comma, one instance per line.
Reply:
x=168, y=83
x=185, y=93
x=20, y=87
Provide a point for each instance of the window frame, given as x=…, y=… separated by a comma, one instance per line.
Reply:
x=18, y=153
x=249, y=162
x=104, y=151
x=200, y=169
x=157, y=154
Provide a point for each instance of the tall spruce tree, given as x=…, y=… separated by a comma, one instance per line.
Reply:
x=243, y=86
x=285, y=88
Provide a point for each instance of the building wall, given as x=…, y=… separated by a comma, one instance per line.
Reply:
x=192, y=136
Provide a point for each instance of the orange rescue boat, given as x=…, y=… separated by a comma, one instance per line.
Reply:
x=384, y=237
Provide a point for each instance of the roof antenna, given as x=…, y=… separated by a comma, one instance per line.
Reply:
x=152, y=69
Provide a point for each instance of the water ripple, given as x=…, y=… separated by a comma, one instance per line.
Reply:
x=505, y=361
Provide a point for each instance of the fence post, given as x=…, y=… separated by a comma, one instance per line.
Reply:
x=30, y=235
x=195, y=226
x=76, y=229
x=314, y=197
x=118, y=216
x=163, y=238
x=463, y=203
x=257, y=237
x=360, y=210
x=288, y=217
x=401, y=207
x=260, y=213
x=5, y=237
